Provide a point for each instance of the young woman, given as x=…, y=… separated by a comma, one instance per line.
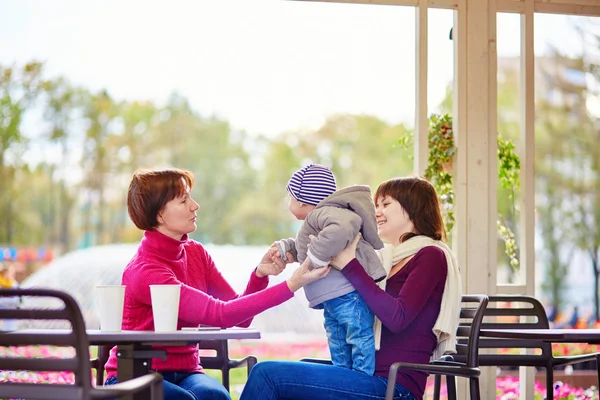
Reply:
x=412, y=330
x=159, y=203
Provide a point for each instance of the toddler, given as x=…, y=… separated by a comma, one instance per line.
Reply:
x=334, y=218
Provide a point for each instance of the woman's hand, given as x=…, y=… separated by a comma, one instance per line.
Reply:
x=345, y=256
x=272, y=264
x=305, y=275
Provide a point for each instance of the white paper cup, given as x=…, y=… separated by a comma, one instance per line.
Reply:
x=165, y=306
x=109, y=299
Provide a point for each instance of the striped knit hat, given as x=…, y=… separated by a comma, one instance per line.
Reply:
x=311, y=184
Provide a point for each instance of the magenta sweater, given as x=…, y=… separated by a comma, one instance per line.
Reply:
x=206, y=297
x=408, y=310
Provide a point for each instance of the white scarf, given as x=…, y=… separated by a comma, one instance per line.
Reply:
x=447, y=321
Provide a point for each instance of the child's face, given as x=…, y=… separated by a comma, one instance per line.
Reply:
x=299, y=210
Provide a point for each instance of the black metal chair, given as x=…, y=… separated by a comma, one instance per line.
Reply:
x=219, y=361
x=511, y=312
x=222, y=361
x=79, y=364
x=463, y=364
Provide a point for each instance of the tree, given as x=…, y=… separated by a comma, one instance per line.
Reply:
x=19, y=89
x=568, y=158
x=100, y=112
x=63, y=109
x=360, y=149
x=216, y=154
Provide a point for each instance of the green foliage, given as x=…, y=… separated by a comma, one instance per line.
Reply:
x=439, y=163
x=509, y=166
x=510, y=245
x=442, y=149
x=19, y=88
x=92, y=143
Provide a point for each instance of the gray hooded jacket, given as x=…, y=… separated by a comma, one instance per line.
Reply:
x=335, y=222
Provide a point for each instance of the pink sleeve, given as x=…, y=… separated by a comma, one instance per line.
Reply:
x=197, y=307
x=221, y=289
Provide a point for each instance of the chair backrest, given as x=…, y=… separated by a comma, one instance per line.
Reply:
x=514, y=312
x=76, y=338
x=471, y=317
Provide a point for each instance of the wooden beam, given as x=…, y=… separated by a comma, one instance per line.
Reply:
x=568, y=9
x=527, y=174
x=447, y=4
x=421, y=149
x=589, y=8
x=459, y=126
x=527, y=138
x=569, y=2
x=585, y=8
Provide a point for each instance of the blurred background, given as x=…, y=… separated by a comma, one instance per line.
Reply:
x=243, y=94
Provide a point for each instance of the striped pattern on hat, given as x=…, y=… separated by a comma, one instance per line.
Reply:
x=311, y=184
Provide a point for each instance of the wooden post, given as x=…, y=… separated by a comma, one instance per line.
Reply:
x=475, y=117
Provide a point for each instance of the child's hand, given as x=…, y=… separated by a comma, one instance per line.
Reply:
x=270, y=264
x=275, y=252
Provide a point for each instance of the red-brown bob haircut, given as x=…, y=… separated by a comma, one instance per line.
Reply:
x=420, y=201
x=150, y=190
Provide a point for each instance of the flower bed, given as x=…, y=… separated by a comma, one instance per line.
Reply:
x=507, y=388
x=37, y=352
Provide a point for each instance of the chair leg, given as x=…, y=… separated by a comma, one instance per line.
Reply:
x=474, y=383
x=549, y=383
x=157, y=390
x=251, y=363
x=437, y=383
x=225, y=375
x=598, y=369
x=451, y=387
x=103, y=354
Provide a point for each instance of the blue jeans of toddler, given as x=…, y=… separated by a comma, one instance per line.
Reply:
x=349, y=327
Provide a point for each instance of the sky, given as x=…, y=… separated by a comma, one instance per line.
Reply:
x=267, y=66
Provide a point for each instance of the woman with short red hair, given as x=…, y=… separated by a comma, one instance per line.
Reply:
x=159, y=203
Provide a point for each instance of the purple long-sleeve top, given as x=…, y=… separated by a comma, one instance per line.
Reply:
x=408, y=310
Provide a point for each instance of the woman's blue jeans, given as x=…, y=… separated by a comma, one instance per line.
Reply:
x=293, y=380
x=189, y=386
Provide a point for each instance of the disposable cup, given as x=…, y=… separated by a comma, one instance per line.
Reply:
x=109, y=299
x=165, y=306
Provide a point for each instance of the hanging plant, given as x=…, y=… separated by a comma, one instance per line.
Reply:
x=439, y=164
x=442, y=149
x=509, y=166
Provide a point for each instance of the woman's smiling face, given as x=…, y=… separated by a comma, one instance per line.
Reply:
x=392, y=220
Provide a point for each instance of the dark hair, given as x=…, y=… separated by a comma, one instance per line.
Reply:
x=420, y=201
x=150, y=190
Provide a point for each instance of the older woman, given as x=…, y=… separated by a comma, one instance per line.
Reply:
x=423, y=278
x=159, y=203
